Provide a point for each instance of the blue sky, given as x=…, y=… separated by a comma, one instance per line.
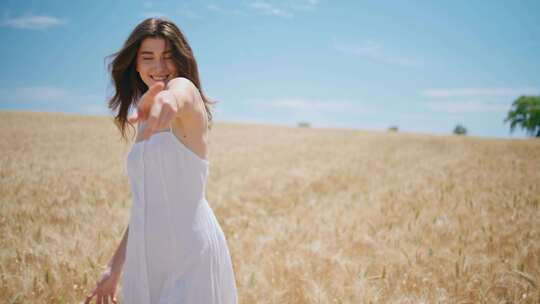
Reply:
x=423, y=66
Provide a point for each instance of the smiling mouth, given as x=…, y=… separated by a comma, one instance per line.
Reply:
x=159, y=78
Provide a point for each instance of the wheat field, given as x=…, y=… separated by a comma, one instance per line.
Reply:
x=310, y=215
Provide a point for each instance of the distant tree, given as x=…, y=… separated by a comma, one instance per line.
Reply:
x=460, y=130
x=303, y=124
x=393, y=129
x=525, y=112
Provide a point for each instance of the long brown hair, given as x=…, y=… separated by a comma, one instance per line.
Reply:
x=128, y=83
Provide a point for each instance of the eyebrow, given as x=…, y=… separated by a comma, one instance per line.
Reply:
x=151, y=53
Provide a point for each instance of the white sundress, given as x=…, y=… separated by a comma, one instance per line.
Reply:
x=176, y=250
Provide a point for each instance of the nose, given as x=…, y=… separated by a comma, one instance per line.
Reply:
x=160, y=65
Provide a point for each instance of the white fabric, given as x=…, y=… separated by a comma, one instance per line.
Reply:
x=176, y=249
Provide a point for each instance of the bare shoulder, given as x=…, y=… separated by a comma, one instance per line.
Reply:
x=184, y=88
x=187, y=94
x=192, y=112
x=182, y=83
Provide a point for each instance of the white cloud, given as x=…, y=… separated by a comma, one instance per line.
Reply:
x=424, y=117
x=214, y=7
x=368, y=48
x=221, y=9
x=462, y=100
x=54, y=97
x=33, y=22
x=184, y=11
x=45, y=93
x=269, y=9
x=283, y=9
x=189, y=14
x=374, y=51
x=461, y=106
x=475, y=92
x=307, y=5
x=302, y=104
x=291, y=110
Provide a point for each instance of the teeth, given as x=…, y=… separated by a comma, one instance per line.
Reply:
x=159, y=78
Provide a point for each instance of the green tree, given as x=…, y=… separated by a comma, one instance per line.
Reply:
x=460, y=130
x=525, y=112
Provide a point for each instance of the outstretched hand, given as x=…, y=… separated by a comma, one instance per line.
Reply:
x=157, y=107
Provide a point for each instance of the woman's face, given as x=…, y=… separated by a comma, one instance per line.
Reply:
x=154, y=61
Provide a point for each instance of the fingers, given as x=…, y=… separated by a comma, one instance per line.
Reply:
x=159, y=119
x=101, y=298
x=167, y=114
x=147, y=100
x=156, y=88
x=90, y=296
x=113, y=295
x=151, y=126
x=104, y=299
x=162, y=111
x=163, y=119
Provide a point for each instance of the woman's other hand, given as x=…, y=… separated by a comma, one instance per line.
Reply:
x=105, y=290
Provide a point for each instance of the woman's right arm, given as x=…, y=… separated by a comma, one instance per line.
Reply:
x=117, y=261
x=106, y=286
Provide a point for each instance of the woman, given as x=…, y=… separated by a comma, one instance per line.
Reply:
x=173, y=248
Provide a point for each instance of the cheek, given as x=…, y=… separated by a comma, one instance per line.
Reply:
x=143, y=69
x=172, y=67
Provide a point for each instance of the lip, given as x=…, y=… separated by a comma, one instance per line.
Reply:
x=166, y=78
